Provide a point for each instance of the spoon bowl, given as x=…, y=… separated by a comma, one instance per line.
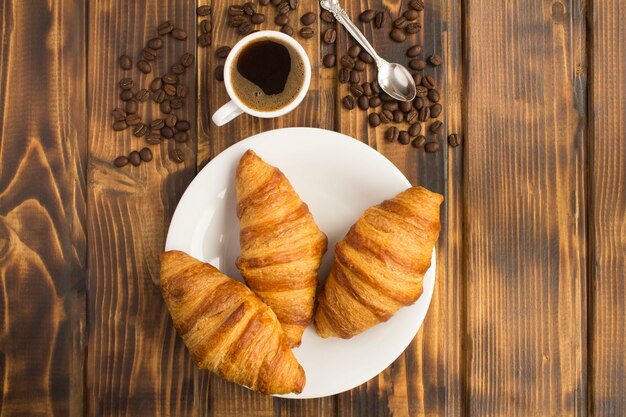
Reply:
x=396, y=81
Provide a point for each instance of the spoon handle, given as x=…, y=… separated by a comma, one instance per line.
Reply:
x=342, y=17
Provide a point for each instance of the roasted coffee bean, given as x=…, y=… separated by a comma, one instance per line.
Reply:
x=177, y=69
x=120, y=161
x=307, y=32
x=293, y=4
x=120, y=125
x=428, y=81
x=436, y=127
x=134, y=158
x=431, y=147
x=356, y=90
x=140, y=130
x=424, y=114
x=433, y=95
x=375, y=101
x=153, y=138
x=355, y=77
x=236, y=21
x=126, y=95
x=435, y=60
x=167, y=132
x=308, y=18
x=374, y=119
x=418, y=103
x=329, y=60
x=180, y=137
x=415, y=128
x=283, y=8
x=347, y=62
x=404, y=137
x=187, y=59
x=391, y=134
x=249, y=8
x=435, y=110
x=203, y=10
x=142, y=95
x=235, y=10
x=367, y=16
x=126, y=62
x=359, y=65
x=365, y=57
x=414, y=51
x=397, y=35
x=287, y=30
x=391, y=106
x=348, y=102
x=157, y=124
x=158, y=96
x=354, y=51
x=118, y=114
x=419, y=141
x=144, y=66
x=398, y=116
x=165, y=28
x=222, y=51
x=376, y=87
x=327, y=16
x=276, y=2
x=330, y=36
x=386, y=97
x=417, y=5
x=145, y=154
x=148, y=54
x=264, y=2
x=380, y=19
x=400, y=22
x=363, y=103
x=245, y=29
x=181, y=91
x=131, y=106
x=412, y=28
x=344, y=75
x=183, y=125
x=133, y=119
x=165, y=107
x=421, y=91
x=155, y=43
x=417, y=77
x=405, y=106
x=176, y=103
x=205, y=39
x=412, y=117
x=367, y=89
x=126, y=83
x=156, y=84
x=257, y=18
x=411, y=14
x=170, y=78
x=454, y=140
x=170, y=120
x=386, y=116
x=176, y=155
x=281, y=19
x=205, y=26
x=179, y=34
x=417, y=64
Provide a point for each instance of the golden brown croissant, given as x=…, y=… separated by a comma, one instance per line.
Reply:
x=227, y=328
x=380, y=264
x=281, y=246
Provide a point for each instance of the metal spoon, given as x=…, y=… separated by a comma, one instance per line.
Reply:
x=394, y=79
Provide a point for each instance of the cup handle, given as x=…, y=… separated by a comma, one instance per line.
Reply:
x=226, y=113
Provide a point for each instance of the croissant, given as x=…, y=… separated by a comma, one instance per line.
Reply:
x=227, y=328
x=281, y=246
x=380, y=264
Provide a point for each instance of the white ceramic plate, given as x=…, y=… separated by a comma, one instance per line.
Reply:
x=338, y=177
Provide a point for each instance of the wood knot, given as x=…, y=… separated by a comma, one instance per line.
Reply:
x=6, y=242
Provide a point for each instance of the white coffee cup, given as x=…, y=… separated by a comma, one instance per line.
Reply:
x=235, y=106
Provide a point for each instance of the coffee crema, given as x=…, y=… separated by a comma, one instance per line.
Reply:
x=267, y=75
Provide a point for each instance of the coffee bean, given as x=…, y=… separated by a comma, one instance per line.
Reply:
x=176, y=103
x=435, y=60
x=367, y=16
x=386, y=116
x=264, y=2
x=436, y=127
x=181, y=91
x=157, y=124
x=140, y=130
x=165, y=28
x=374, y=119
x=153, y=138
x=354, y=51
x=417, y=5
x=167, y=132
x=365, y=57
x=329, y=60
x=397, y=35
x=177, y=69
x=257, y=18
x=131, y=106
x=149, y=54
x=424, y=114
x=126, y=83
x=287, y=30
x=421, y=91
x=347, y=62
x=170, y=78
x=144, y=66
x=133, y=119
x=410, y=14
x=375, y=101
x=363, y=103
x=145, y=154
x=327, y=16
x=134, y=158
x=203, y=10
x=205, y=39
x=293, y=4
x=126, y=62
x=330, y=36
x=126, y=95
x=376, y=87
x=417, y=64
x=283, y=8
x=417, y=77
x=308, y=18
x=431, y=147
x=156, y=84
x=307, y=32
x=415, y=128
x=222, y=52
x=170, y=120
x=183, y=125
x=245, y=28
x=356, y=90
x=404, y=137
x=400, y=22
x=344, y=75
x=419, y=141
x=391, y=134
x=120, y=125
x=142, y=95
x=435, y=110
x=176, y=155
x=391, y=106
x=155, y=43
x=179, y=34
x=380, y=19
x=412, y=28
x=249, y=8
x=276, y=2
x=412, y=117
x=205, y=26
x=414, y=51
x=348, y=102
x=118, y=114
x=454, y=140
x=187, y=59
x=386, y=97
x=180, y=137
x=165, y=106
x=158, y=96
x=355, y=77
x=281, y=19
x=359, y=65
x=398, y=116
x=433, y=95
x=405, y=106
x=120, y=161
x=367, y=89
x=418, y=103
x=428, y=81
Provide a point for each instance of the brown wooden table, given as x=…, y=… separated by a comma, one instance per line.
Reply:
x=528, y=315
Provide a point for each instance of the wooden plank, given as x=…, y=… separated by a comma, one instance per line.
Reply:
x=525, y=209
x=607, y=217
x=43, y=150
x=136, y=365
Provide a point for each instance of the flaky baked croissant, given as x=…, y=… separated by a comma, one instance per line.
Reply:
x=228, y=329
x=281, y=246
x=380, y=264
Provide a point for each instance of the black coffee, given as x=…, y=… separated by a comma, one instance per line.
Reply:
x=267, y=75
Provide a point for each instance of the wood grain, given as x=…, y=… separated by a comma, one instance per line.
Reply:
x=524, y=209
x=607, y=217
x=42, y=207
x=136, y=363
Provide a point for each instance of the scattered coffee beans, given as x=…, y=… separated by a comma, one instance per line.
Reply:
x=308, y=18
x=454, y=140
x=419, y=141
x=404, y=137
x=367, y=16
